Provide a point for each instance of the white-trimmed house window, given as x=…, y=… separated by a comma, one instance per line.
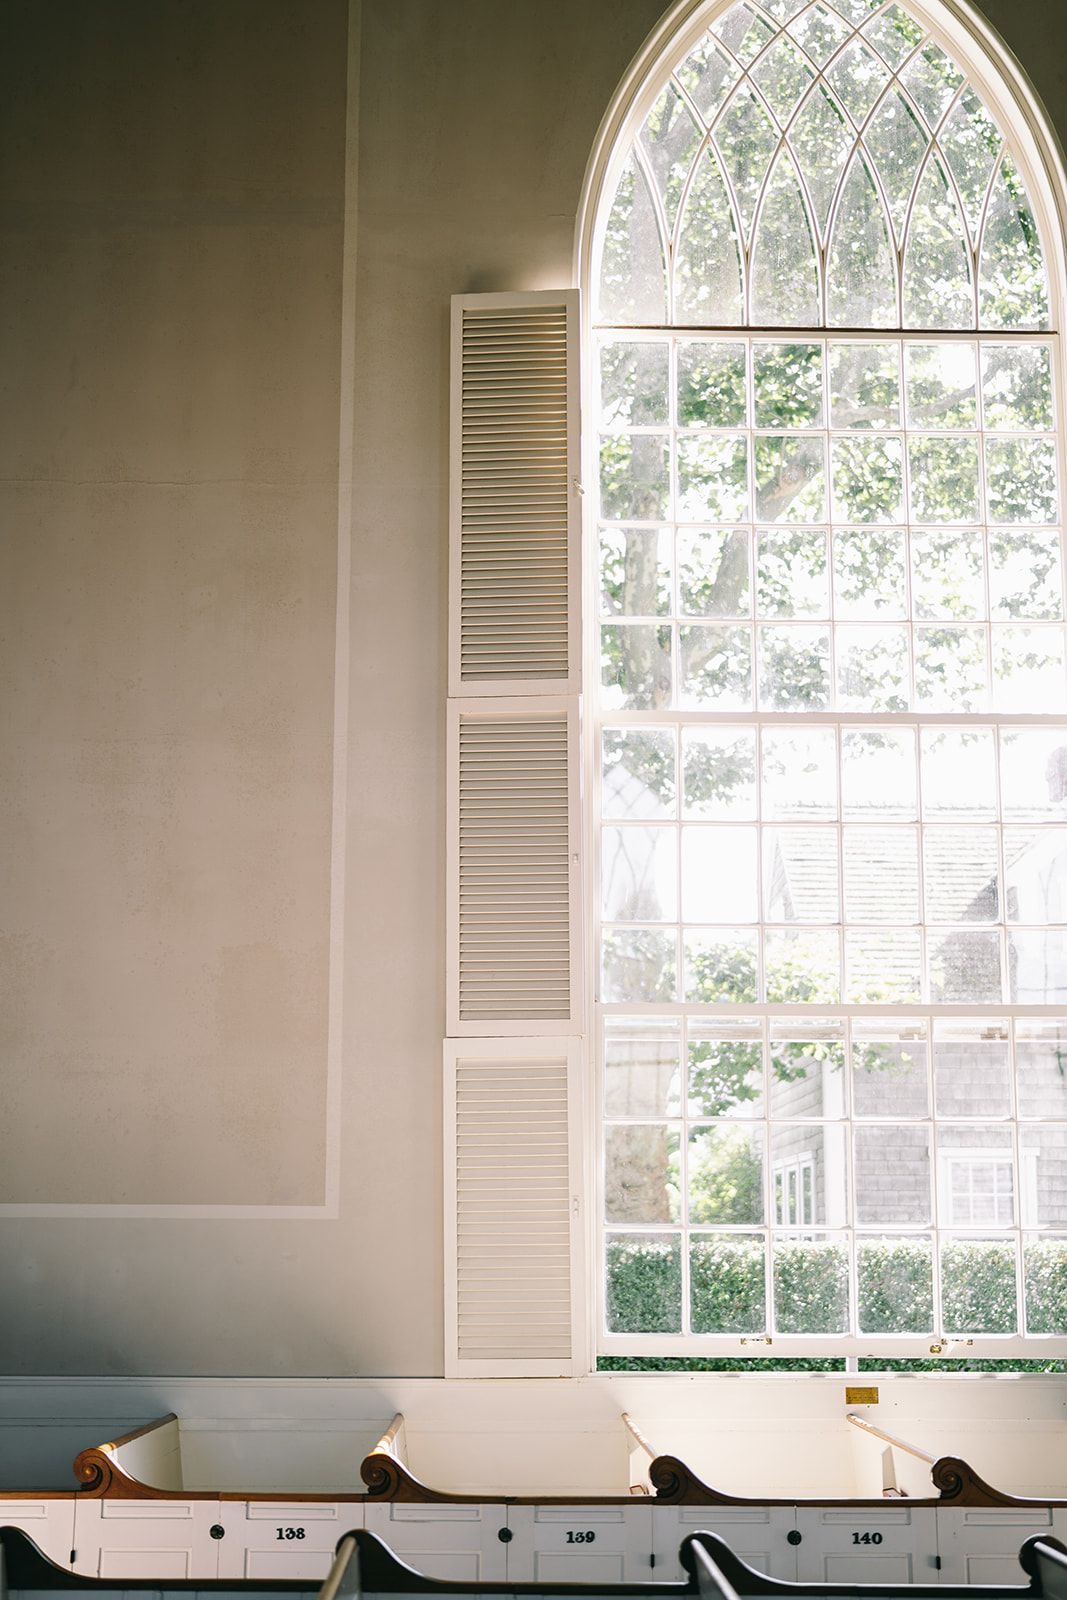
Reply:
x=831, y=714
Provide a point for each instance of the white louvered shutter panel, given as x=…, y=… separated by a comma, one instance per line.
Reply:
x=514, y=993
x=514, y=939
x=513, y=1193
x=514, y=504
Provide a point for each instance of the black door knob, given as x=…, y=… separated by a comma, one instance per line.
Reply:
x=505, y=1535
x=794, y=1536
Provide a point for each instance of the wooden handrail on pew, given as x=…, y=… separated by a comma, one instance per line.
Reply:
x=101, y=1474
x=889, y=1438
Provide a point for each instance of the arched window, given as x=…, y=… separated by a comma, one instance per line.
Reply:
x=831, y=723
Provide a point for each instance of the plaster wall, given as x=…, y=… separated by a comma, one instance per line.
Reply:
x=229, y=234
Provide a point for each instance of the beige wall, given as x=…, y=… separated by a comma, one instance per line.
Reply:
x=172, y=237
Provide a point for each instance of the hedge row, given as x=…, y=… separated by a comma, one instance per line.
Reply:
x=810, y=1286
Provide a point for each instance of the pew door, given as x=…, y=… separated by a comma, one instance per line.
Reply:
x=157, y=1539
x=581, y=1543
x=760, y=1535
x=48, y=1522
x=265, y=1539
x=887, y=1542
x=453, y=1540
x=980, y=1544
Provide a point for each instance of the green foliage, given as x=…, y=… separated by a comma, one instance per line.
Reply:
x=723, y=1364
x=811, y=1286
x=723, y=1074
x=644, y=1285
x=895, y=1286
x=727, y=1284
x=1045, y=1280
x=725, y=1177
x=978, y=1286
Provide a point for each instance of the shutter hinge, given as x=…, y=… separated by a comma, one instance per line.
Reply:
x=576, y=1206
x=578, y=485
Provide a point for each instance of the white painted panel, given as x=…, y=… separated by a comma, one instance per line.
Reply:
x=465, y=1548
x=49, y=1523
x=994, y=1569
x=145, y=1563
x=439, y=1512
x=863, y=1568
x=758, y=1534
x=146, y=1510
x=597, y=1514
x=288, y=1563
x=279, y=1538
x=697, y=1516
x=575, y=1538
x=552, y=1566
x=851, y=1541
x=143, y=1538
x=986, y=1539
x=278, y=1511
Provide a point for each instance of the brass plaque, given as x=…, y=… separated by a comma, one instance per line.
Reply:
x=861, y=1397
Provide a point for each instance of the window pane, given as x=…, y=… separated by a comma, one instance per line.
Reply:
x=976, y=1184
x=792, y=578
x=641, y=1176
x=635, y=667
x=719, y=773
x=633, y=384
x=638, y=778
x=725, y=1074
x=1043, y=1175
x=889, y=1070
x=972, y=1073
x=639, y=875
x=895, y=1283
x=644, y=1283
x=719, y=875
x=713, y=575
x=892, y=1174
x=642, y=1068
x=725, y=1175
x=869, y=573
x=1041, y=1067
x=978, y=1286
x=715, y=667
x=810, y=1285
x=635, y=572
x=721, y=964
x=1045, y=1284
x=878, y=778
x=864, y=386
x=711, y=384
x=638, y=964
x=727, y=1283
x=798, y=774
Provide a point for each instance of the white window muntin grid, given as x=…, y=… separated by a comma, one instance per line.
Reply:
x=928, y=1026
x=921, y=827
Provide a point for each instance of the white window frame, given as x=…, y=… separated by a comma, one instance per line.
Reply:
x=1011, y=99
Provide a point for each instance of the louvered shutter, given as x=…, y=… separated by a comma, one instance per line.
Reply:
x=513, y=883
x=513, y=1199
x=514, y=931
x=515, y=507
